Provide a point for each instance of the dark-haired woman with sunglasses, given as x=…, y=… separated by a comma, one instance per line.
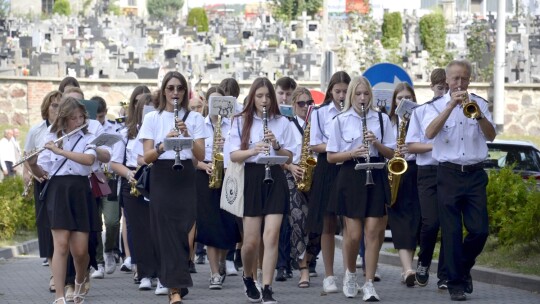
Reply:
x=172, y=192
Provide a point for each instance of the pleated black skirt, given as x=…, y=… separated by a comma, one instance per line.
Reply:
x=45, y=240
x=173, y=204
x=404, y=218
x=351, y=198
x=324, y=177
x=70, y=205
x=137, y=212
x=215, y=227
x=261, y=199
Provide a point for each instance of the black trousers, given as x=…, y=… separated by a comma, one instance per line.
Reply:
x=462, y=201
x=427, y=194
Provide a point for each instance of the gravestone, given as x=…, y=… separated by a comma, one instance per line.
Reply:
x=131, y=60
x=25, y=44
x=147, y=73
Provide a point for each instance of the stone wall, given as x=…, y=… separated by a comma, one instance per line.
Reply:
x=21, y=97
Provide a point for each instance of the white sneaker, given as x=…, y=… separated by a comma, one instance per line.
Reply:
x=350, y=290
x=98, y=273
x=146, y=284
x=215, y=281
x=161, y=290
x=358, y=261
x=110, y=263
x=230, y=269
x=370, y=295
x=126, y=266
x=329, y=284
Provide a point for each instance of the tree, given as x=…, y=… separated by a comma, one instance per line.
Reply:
x=391, y=30
x=481, y=50
x=197, y=17
x=288, y=10
x=62, y=7
x=433, y=37
x=364, y=28
x=164, y=9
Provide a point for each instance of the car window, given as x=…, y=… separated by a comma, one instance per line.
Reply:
x=522, y=157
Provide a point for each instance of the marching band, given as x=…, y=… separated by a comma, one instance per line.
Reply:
x=307, y=175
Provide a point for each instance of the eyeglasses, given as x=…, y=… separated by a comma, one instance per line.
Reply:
x=177, y=88
x=302, y=104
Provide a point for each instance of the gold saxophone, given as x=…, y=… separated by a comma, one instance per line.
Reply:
x=133, y=191
x=397, y=165
x=216, y=179
x=307, y=161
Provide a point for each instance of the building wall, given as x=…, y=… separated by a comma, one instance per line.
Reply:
x=21, y=97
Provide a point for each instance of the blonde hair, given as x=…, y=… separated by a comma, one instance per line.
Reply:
x=351, y=90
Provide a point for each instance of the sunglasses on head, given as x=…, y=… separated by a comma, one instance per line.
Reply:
x=302, y=104
x=172, y=88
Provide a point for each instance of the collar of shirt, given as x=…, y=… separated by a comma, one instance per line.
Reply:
x=301, y=122
x=352, y=112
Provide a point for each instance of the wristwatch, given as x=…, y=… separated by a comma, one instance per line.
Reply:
x=480, y=117
x=278, y=146
x=159, y=152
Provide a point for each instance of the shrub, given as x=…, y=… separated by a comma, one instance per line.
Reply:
x=197, y=17
x=16, y=212
x=391, y=30
x=433, y=37
x=513, y=208
x=62, y=7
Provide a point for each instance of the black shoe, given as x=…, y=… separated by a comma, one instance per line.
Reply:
x=442, y=284
x=267, y=295
x=458, y=295
x=312, y=266
x=289, y=274
x=280, y=275
x=192, y=267
x=183, y=292
x=238, y=259
x=45, y=262
x=422, y=274
x=201, y=258
x=468, y=287
x=252, y=293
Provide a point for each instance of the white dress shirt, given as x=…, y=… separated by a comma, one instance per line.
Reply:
x=298, y=139
x=347, y=132
x=130, y=152
x=321, y=123
x=416, y=134
x=7, y=152
x=460, y=140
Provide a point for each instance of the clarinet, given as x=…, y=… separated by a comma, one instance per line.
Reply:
x=369, y=177
x=177, y=162
x=267, y=174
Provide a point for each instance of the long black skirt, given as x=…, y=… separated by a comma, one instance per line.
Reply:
x=324, y=177
x=261, y=199
x=137, y=212
x=404, y=217
x=70, y=205
x=45, y=240
x=355, y=200
x=215, y=227
x=173, y=204
x=297, y=218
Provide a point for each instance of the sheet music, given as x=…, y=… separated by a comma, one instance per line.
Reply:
x=222, y=105
x=106, y=139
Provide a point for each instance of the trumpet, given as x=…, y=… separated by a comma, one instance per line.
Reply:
x=470, y=108
x=267, y=173
x=177, y=162
x=36, y=152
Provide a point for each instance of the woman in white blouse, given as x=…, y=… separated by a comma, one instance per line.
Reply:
x=172, y=192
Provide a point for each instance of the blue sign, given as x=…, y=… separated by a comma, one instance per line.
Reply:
x=383, y=78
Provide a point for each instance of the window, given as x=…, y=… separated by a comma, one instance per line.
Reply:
x=47, y=6
x=132, y=2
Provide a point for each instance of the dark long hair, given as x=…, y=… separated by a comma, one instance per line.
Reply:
x=250, y=110
x=402, y=86
x=69, y=105
x=131, y=118
x=46, y=103
x=161, y=95
x=68, y=82
x=133, y=124
x=338, y=77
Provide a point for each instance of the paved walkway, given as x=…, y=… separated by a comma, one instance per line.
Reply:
x=24, y=280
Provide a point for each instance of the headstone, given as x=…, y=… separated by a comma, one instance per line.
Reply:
x=25, y=43
x=131, y=60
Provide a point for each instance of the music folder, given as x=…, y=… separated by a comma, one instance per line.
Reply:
x=177, y=144
x=272, y=160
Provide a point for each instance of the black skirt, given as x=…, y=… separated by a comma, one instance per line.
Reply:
x=404, y=217
x=261, y=199
x=45, y=240
x=324, y=177
x=137, y=212
x=355, y=200
x=215, y=227
x=173, y=204
x=70, y=204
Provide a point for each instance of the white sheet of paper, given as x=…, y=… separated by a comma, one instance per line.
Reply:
x=222, y=105
x=383, y=98
x=106, y=139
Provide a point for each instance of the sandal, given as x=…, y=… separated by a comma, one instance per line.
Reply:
x=78, y=293
x=174, y=296
x=61, y=300
x=303, y=284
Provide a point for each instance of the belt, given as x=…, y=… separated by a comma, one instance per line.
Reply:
x=463, y=168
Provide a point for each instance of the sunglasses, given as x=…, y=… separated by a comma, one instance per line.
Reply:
x=302, y=104
x=177, y=88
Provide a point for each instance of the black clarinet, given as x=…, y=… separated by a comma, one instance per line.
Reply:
x=177, y=162
x=267, y=174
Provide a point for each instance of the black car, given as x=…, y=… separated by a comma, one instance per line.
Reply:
x=525, y=157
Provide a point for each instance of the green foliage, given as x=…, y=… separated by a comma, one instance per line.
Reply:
x=513, y=208
x=16, y=212
x=114, y=9
x=288, y=10
x=433, y=37
x=367, y=53
x=477, y=44
x=391, y=30
x=164, y=9
x=62, y=7
x=197, y=17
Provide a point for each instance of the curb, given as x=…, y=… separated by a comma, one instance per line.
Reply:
x=19, y=249
x=481, y=274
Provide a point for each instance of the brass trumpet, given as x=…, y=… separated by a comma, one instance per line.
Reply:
x=470, y=108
